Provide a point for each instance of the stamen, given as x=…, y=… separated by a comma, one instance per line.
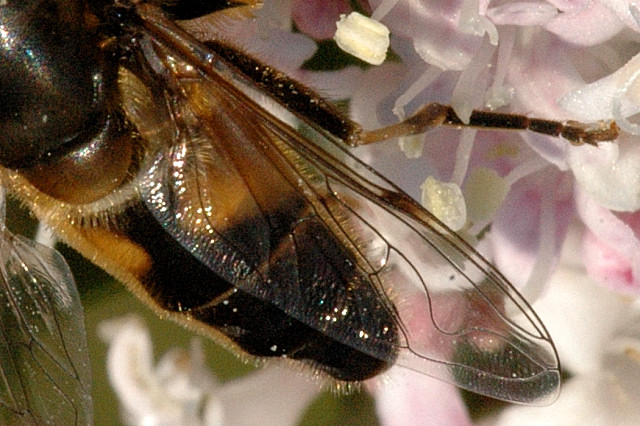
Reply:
x=445, y=201
x=546, y=250
x=412, y=145
x=425, y=80
x=471, y=87
x=500, y=94
x=463, y=155
x=471, y=22
x=383, y=9
x=525, y=169
x=484, y=192
x=362, y=37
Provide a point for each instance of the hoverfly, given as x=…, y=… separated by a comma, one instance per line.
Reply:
x=150, y=152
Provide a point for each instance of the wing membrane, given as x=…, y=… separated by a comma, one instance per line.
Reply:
x=45, y=375
x=278, y=206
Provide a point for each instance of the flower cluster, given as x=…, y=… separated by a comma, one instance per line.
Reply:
x=180, y=390
x=557, y=60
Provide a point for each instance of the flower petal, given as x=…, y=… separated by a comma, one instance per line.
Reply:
x=522, y=13
x=608, y=266
x=170, y=394
x=318, y=18
x=581, y=316
x=410, y=398
x=528, y=231
x=595, y=101
x=610, y=173
x=274, y=395
x=444, y=44
x=584, y=23
x=619, y=235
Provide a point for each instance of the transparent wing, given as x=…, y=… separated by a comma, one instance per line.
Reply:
x=268, y=209
x=44, y=362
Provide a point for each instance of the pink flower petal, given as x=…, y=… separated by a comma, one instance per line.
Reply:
x=589, y=24
x=612, y=251
x=581, y=315
x=540, y=72
x=443, y=44
x=609, y=173
x=622, y=9
x=522, y=13
x=318, y=18
x=531, y=226
x=593, y=329
x=410, y=398
x=608, y=266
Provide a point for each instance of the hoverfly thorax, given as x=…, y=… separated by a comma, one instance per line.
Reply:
x=62, y=125
x=52, y=79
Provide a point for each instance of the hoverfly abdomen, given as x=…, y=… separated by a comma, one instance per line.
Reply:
x=348, y=307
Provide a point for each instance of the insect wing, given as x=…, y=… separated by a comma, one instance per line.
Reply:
x=291, y=220
x=44, y=362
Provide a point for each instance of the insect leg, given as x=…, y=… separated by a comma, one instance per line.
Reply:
x=434, y=114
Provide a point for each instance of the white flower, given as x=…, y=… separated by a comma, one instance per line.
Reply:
x=597, y=335
x=180, y=390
